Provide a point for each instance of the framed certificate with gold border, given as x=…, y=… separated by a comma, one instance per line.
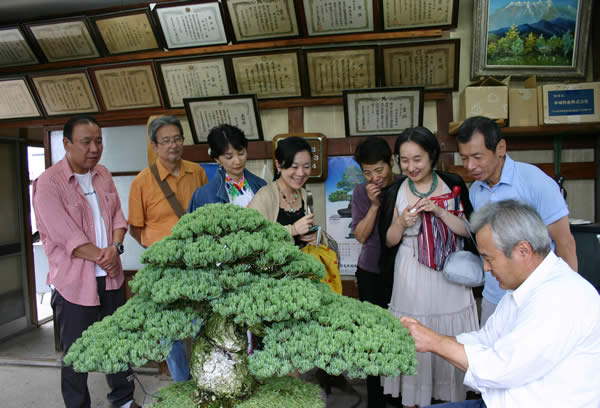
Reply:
x=17, y=100
x=327, y=17
x=332, y=70
x=14, y=49
x=254, y=20
x=66, y=93
x=382, y=111
x=131, y=86
x=64, y=40
x=237, y=110
x=269, y=75
x=432, y=64
x=125, y=32
x=418, y=14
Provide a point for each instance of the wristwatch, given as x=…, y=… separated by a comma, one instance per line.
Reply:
x=119, y=246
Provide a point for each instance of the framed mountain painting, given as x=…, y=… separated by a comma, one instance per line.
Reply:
x=546, y=38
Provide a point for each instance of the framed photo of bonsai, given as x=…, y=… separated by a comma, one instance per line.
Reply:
x=545, y=38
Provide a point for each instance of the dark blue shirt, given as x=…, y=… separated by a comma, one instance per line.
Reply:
x=215, y=191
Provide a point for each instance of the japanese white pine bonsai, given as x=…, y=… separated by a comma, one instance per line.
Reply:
x=225, y=270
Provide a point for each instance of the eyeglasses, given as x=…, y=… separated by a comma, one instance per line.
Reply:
x=178, y=140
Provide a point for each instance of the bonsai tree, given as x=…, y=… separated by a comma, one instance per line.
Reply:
x=351, y=178
x=223, y=271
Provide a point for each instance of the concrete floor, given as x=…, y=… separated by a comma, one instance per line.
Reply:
x=30, y=377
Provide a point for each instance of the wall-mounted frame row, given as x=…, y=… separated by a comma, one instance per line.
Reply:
x=378, y=111
x=201, y=23
x=292, y=73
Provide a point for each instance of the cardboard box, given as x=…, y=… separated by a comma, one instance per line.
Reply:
x=571, y=103
x=523, y=104
x=486, y=97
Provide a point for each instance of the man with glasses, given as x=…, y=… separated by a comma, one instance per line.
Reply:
x=159, y=194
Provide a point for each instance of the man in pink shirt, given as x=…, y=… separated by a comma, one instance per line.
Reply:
x=82, y=227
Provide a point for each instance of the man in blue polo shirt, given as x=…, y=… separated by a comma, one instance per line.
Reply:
x=482, y=147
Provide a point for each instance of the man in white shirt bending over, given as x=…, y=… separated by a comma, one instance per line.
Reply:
x=541, y=347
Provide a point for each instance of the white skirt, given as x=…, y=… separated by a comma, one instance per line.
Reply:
x=423, y=293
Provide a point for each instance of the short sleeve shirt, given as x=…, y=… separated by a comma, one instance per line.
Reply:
x=148, y=206
x=525, y=183
x=370, y=252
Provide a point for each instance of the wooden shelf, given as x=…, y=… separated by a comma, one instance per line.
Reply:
x=553, y=130
x=580, y=136
x=230, y=48
x=576, y=136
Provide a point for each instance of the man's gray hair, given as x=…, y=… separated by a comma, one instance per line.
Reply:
x=511, y=223
x=161, y=121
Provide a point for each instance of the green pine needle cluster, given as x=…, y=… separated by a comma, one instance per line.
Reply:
x=343, y=336
x=139, y=331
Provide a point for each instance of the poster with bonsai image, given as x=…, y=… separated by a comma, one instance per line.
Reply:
x=343, y=174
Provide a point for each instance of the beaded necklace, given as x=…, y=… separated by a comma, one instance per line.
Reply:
x=413, y=188
x=291, y=203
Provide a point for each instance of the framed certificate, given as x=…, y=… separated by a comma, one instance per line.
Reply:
x=64, y=40
x=236, y=110
x=330, y=71
x=412, y=14
x=191, y=23
x=193, y=78
x=14, y=49
x=272, y=75
x=432, y=64
x=66, y=93
x=261, y=19
x=382, y=111
x=325, y=17
x=127, y=86
x=318, y=156
x=124, y=32
x=16, y=100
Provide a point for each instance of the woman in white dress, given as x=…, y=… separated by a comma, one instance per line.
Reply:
x=421, y=291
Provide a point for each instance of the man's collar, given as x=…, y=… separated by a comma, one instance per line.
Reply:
x=163, y=172
x=508, y=171
x=68, y=171
x=506, y=176
x=533, y=280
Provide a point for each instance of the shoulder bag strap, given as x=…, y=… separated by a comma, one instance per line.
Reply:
x=470, y=233
x=169, y=194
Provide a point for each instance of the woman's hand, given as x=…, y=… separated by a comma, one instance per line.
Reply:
x=303, y=224
x=309, y=238
x=408, y=218
x=430, y=207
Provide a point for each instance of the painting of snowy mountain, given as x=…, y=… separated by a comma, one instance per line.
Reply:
x=531, y=32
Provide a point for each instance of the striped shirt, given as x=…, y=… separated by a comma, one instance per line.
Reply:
x=66, y=222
